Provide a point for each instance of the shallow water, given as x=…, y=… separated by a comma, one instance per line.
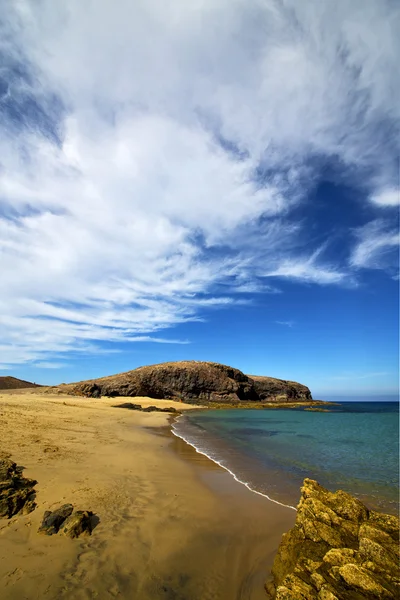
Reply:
x=354, y=447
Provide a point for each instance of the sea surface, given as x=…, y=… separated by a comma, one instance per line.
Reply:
x=354, y=447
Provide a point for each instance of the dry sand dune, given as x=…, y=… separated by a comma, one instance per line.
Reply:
x=172, y=524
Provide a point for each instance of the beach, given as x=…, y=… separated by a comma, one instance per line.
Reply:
x=172, y=524
x=353, y=446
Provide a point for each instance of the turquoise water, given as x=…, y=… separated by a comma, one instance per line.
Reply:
x=354, y=447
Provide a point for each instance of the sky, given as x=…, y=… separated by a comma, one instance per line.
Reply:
x=206, y=180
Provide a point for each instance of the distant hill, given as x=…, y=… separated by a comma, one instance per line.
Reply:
x=12, y=383
x=193, y=382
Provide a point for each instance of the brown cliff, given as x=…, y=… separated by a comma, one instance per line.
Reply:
x=193, y=382
x=337, y=550
x=270, y=389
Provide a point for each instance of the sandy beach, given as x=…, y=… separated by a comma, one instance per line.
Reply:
x=172, y=524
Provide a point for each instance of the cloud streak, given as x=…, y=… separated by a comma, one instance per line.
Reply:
x=376, y=246
x=151, y=155
x=357, y=376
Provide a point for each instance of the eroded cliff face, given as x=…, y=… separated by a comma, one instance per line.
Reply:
x=193, y=382
x=337, y=550
x=269, y=389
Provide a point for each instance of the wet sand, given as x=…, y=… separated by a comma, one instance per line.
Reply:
x=173, y=525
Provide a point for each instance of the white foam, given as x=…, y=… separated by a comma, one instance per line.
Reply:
x=226, y=468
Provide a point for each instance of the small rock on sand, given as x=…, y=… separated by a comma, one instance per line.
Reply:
x=52, y=520
x=77, y=524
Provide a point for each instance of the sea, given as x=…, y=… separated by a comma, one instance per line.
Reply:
x=353, y=447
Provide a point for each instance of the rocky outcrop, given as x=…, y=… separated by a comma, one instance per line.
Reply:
x=17, y=493
x=12, y=383
x=337, y=550
x=71, y=524
x=269, y=389
x=193, y=382
x=130, y=406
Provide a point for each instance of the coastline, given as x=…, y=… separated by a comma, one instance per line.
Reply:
x=169, y=525
x=272, y=456
x=235, y=477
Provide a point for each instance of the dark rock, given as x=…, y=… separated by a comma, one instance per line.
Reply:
x=131, y=406
x=89, y=389
x=80, y=522
x=337, y=550
x=52, y=520
x=157, y=409
x=17, y=493
x=193, y=382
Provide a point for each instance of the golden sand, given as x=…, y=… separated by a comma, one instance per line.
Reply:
x=173, y=525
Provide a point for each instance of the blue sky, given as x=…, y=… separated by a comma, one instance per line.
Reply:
x=216, y=180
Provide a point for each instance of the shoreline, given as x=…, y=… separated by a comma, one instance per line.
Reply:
x=263, y=479
x=235, y=477
x=169, y=525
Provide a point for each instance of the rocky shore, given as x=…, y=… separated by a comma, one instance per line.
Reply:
x=337, y=550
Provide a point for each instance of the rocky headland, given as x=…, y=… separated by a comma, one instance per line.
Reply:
x=337, y=550
x=193, y=382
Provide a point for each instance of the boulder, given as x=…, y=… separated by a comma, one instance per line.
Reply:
x=52, y=520
x=338, y=549
x=193, y=382
x=17, y=493
x=78, y=523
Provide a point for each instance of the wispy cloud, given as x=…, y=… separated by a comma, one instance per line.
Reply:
x=285, y=323
x=357, y=376
x=309, y=269
x=376, y=244
x=50, y=365
x=139, y=144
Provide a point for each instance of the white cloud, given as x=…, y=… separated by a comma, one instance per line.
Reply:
x=305, y=270
x=50, y=365
x=164, y=113
x=286, y=323
x=309, y=270
x=375, y=247
x=351, y=376
x=388, y=197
